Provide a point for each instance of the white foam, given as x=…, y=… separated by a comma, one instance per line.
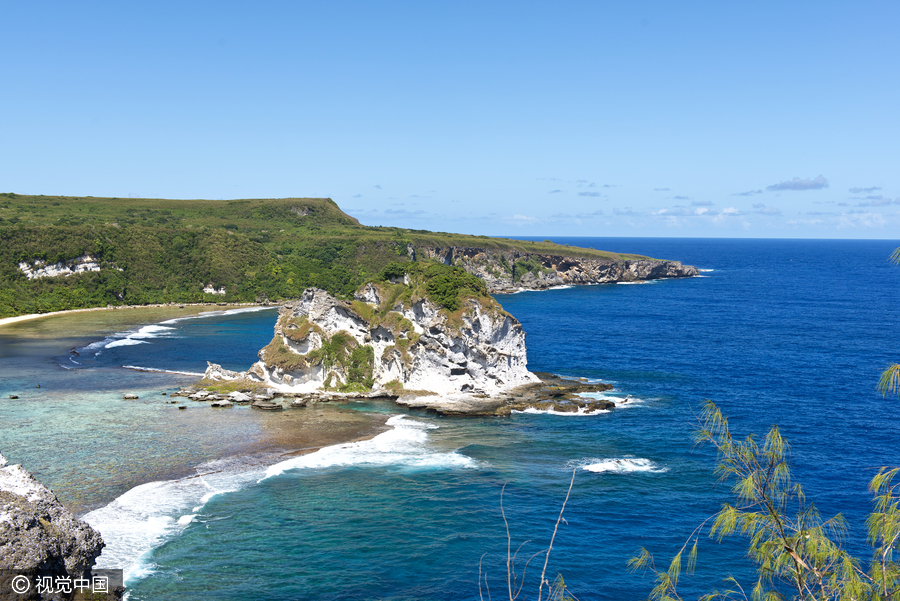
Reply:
x=520, y=289
x=643, y=282
x=149, y=515
x=160, y=330
x=582, y=411
x=151, y=332
x=621, y=465
x=403, y=445
x=125, y=342
x=163, y=371
x=621, y=402
x=217, y=313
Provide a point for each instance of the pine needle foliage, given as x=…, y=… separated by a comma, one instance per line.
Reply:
x=798, y=554
x=890, y=378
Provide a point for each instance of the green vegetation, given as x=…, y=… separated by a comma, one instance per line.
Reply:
x=798, y=553
x=229, y=386
x=531, y=265
x=443, y=285
x=277, y=354
x=338, y=354
x=157, y=250
x=298, y=328
x=890, y=378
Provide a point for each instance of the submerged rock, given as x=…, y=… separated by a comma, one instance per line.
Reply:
x=267, y=406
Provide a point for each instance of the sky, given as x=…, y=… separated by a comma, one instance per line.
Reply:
x=601, y=118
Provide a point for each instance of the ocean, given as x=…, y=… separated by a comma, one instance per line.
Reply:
x=786, y=332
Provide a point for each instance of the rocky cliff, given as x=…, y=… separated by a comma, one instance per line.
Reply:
x=416, y=333
x=38, y=536
x=512, y=270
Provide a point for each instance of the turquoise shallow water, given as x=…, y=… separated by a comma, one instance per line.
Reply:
x=780, y=331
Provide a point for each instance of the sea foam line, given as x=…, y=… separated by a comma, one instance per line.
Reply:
x=163, y=371
x=160, y=330
x=217, y=313
x=621, y=402
x=581, y=412
x=403, y=445
x=129, y=338
x=151, y=514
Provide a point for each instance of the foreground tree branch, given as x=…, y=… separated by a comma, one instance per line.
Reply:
x=798, y=554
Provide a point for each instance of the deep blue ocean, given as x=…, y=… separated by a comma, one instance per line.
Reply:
x=786, y=332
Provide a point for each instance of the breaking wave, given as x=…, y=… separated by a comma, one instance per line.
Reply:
x=151, y=514
x=619, y=465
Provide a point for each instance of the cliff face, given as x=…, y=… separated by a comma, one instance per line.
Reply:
x=38, y=536
x=390, y=339
x=509, y=271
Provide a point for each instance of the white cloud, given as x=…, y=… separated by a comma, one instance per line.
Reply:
x=816, y=183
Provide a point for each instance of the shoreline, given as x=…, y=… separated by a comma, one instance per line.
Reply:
x=275, y=447
x=272, y=437
x=19, y=318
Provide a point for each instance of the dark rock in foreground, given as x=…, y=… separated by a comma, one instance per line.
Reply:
x=38, y=536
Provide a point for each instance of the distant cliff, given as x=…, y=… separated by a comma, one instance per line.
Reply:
x=512, y=270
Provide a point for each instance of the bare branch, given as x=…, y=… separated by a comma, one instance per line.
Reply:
x=552, y=538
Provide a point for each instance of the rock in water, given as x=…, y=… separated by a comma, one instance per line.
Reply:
x=393, y=336
x=38, y=536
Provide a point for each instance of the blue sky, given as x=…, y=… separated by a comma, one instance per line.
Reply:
x=764, y=119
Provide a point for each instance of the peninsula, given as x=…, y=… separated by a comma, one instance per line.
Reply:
x=59, y=253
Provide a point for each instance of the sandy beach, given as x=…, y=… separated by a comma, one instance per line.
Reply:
x=202, y=306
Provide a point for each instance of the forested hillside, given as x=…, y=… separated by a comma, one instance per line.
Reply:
x=156, y=251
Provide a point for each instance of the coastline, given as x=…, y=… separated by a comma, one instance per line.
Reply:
x=19, y=318
x=184, y=440
x=279, y=437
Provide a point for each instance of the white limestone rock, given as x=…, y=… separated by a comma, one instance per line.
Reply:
x=322, y=343
x=37, y=268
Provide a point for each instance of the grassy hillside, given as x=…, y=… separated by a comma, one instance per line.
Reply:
x=156, y=250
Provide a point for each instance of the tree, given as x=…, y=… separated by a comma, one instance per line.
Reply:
x=890, y=378
x=797, y=553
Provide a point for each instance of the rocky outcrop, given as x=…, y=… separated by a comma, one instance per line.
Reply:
x=37, y=268
x=510, y=271
x=38, y=536
x=551, y=394
x=390, y=339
